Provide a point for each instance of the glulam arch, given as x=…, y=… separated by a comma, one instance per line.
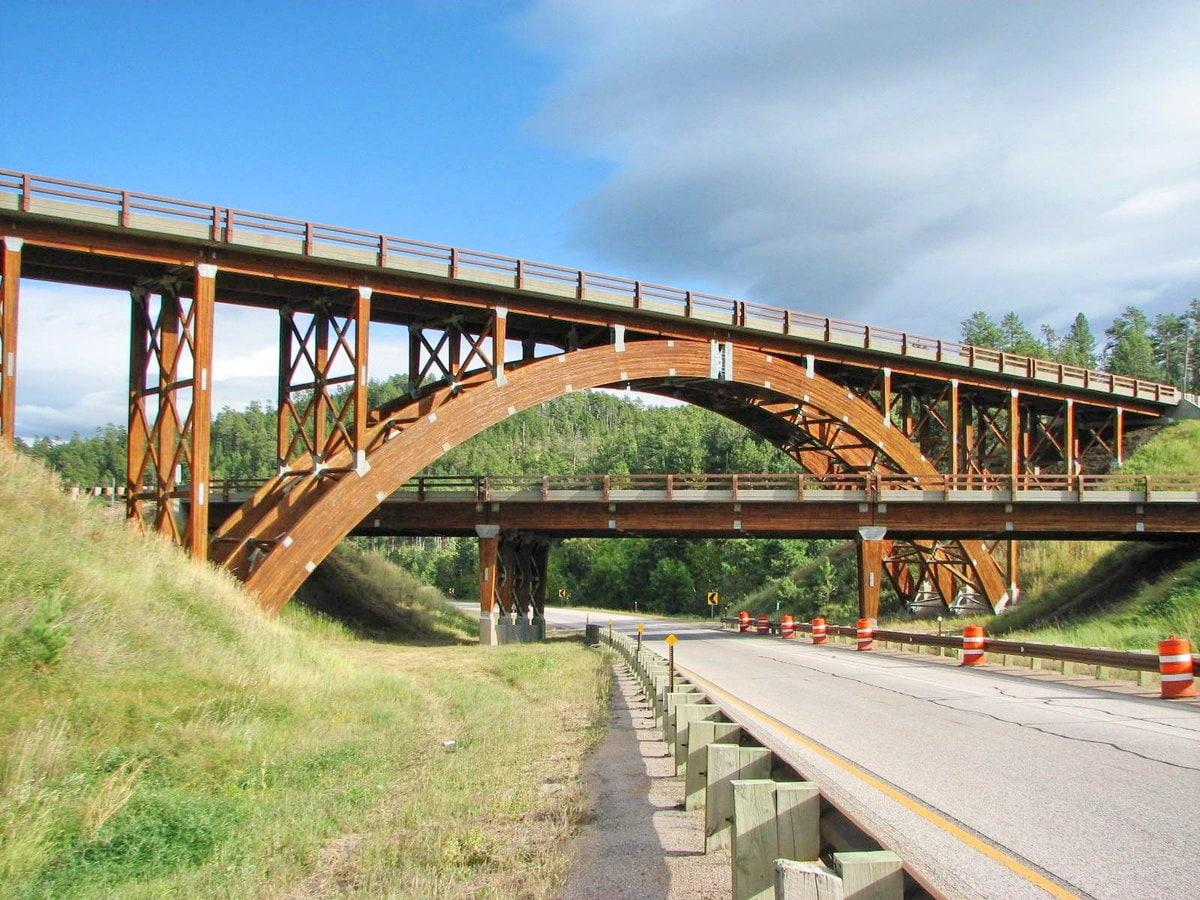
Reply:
x=292, y=523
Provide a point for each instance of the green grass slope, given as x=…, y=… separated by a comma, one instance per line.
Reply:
x=160, y=737
x=1103, y=594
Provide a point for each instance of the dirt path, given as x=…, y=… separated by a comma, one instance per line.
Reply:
x=640, y=842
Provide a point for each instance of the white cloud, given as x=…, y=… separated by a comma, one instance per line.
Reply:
x=895, y=162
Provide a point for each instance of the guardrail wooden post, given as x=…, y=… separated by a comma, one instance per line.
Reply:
x=871, y=873
x=754, y=840
x=683, y=693
x=700, y=735
x=686, y=714
x=728, y=763
x=771, y=820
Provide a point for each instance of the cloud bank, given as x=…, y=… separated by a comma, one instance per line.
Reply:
x=900, y=163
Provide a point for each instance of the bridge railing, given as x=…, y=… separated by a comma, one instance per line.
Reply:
x=772, y=487
x=57, y=198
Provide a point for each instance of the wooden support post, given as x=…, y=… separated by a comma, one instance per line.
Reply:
x=10, y=294
x=1014, y=562
x=885, y=396
x=955, y=428
x=1014, y=432
x=798, y=818
x=362, y=333
x=699, y=735
x=876, y=874
x=772, y=820
x=489, y=546
x=499, y=339
x=728, y=763
x=414, y=359
x=685, y=714
x=682, y=693
x=203, y=313
x=810, y=880
x=1119, y=438
x=754, y=844
x=1070, y=441
x=870, y=569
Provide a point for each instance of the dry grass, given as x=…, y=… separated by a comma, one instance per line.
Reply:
x=184, y=745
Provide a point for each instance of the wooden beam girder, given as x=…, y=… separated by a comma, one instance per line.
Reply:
x=10, y=294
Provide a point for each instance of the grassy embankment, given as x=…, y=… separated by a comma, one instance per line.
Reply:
x=159, y=737
x=1126, y=596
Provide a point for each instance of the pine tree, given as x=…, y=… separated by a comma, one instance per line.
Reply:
x=981, y=330
x=1130, y=350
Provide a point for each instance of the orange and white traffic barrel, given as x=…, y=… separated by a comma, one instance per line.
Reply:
x=743, y=621
x=764, y=624
x=787, y=627
x=818, y=630
x=866, y=634
x=1175, y=667
x=973, y=638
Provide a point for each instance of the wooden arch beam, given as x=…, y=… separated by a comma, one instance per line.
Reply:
x=281, y=534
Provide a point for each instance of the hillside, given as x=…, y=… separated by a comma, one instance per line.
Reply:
x=160, y=737
x=1120, y=595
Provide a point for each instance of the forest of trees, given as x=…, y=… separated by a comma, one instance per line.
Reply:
x=1165, y=349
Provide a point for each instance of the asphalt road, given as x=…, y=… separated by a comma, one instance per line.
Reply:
x=994, y=783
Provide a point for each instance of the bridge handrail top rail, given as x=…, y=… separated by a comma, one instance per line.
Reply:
x=225, y=219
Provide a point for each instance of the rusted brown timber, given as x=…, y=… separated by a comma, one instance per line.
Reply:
x=10, y=293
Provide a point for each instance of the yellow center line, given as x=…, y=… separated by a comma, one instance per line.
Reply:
x=883, y=787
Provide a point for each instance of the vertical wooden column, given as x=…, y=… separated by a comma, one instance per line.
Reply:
x=362, y=333
x=414, y=359
x=1119, y=440
x=1014, y=432
x=955, y=427
x=489, y=559
x=10, y=292
x=499, y=338
x=1070, y=442
x=870, y=569
x=203, y=314
x=1014, y=561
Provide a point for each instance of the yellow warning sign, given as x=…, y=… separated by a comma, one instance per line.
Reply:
x=671, y=639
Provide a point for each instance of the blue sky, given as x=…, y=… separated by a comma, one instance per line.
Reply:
x=896, y=162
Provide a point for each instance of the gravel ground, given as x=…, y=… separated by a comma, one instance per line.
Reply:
x=640, y=841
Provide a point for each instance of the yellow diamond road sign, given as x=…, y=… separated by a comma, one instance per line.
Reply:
x=641, y=627
x=671, y=639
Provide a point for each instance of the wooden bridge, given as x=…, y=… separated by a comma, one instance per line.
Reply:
x=489, y=336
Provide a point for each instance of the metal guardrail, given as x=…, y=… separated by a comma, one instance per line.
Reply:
x=53, y=197
x=1109, y=659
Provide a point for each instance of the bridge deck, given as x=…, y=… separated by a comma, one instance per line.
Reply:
x=801, y=505
x=28, y=197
